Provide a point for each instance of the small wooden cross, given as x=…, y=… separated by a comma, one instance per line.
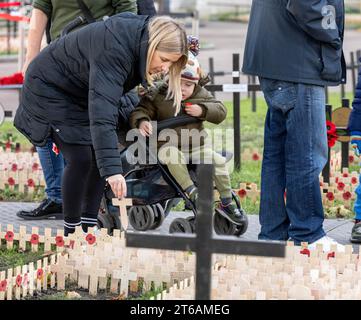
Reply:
x=123, y=204
x=124, y=275
x=62, y=269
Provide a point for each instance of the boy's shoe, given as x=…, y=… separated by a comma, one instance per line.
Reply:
x=356, y=233
x=232, y=213
x=327, y=242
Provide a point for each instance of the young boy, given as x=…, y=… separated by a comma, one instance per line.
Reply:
x=196, y=102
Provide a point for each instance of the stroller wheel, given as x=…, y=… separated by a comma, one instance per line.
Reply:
x=242, y=228
x=158, y=215
x=222, y=226
x=180, y=225
x=141, y=218
x=192, y=222
x=105, y=221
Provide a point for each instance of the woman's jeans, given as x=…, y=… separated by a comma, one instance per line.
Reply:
x=53, y=167
x=295, y=152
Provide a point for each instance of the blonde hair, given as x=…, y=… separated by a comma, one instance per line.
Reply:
x=167, y=35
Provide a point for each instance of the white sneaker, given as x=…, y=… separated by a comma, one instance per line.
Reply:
x=327, y=242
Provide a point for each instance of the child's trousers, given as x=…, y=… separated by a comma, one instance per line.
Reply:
x=177, y=161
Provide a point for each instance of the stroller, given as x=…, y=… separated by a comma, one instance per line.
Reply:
x=155, y=192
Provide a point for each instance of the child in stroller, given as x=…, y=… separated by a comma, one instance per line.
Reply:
x=155, y=189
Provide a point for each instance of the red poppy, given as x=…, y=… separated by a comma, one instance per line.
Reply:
x=3, y=285
x=16, y=78
x=14, y=167
x=340, y=186
x=19, y=280
x=345, y=175
x=242, y=193
x=347, y=195
x=331, y=133
x=305, y=251
x=31, y=183
x=34, y=239
x=353, y=180
x=351, y=159
x=35, y=166
x=330, y=196
x=9, y=236
x=331, y=255
x=11, y=181
x=40, y=274
x=90, y=238
x=59, y=241
x=255, y=157
x=55, y=149
x=8, y=145
x=188, y=104
x=336, y=180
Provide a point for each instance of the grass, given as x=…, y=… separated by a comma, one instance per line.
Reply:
x=14, y=257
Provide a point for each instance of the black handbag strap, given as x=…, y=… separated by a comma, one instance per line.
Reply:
x=86, y=12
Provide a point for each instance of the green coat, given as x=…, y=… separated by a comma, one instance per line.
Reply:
x=61, y=12
x=154, y=107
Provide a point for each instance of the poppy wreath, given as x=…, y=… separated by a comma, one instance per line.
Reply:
x=331, y=133
x=16, y=78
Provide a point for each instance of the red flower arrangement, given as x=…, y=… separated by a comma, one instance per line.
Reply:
x=40, y=274
x=340, y=186
x=354, y=180
x=90, y=238
x=9, y=236
x=255, y=157
x=351, y=159
x=330, y=196
x=347, y=195
x=16, y=78
x=331, y=255
x=31, y=183
x=331, y=133
x=19, y=280
x=59, y=241
x=242, y=193
x=34, y=239
x=306, y=252
x=11, y=181
x=14, y=167
x=3, y=285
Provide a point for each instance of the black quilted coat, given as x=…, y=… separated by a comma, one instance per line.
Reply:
x=77, y=84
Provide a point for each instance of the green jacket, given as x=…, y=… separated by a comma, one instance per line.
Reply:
x=61, y=12
x=154, y=107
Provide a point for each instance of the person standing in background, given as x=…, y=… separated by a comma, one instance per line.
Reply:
x=295, y=48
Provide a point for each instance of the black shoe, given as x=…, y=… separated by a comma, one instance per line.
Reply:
x=356, y=233
x=48, y=209
x=232, y=213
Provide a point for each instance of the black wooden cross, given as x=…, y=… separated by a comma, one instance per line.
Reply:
x=203, y=243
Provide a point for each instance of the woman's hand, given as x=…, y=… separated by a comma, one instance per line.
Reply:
x=118, y=185
x=145, y=128
x=193, y=110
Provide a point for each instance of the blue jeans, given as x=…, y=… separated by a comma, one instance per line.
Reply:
x=53, y=166
x=295, y=152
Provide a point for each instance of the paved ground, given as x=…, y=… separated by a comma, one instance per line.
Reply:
x=339, y=229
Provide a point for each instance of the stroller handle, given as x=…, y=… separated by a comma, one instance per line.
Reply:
x=176, y=122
